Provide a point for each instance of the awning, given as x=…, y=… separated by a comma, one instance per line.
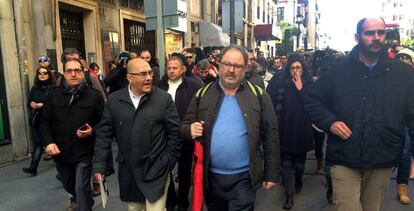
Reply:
x=265, y=32
x=212, y=35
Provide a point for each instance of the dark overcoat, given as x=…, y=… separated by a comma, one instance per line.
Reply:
x=295, y=127
x=148, y=142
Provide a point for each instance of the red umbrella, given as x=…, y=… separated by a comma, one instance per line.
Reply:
x=198, y=176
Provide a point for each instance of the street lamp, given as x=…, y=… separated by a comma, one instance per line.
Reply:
x=299, y=20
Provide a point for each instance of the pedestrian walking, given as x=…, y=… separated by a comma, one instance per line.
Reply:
x=241, y=156
x=295, y=128
x=145, y=122
x=363, y=103
x=44, y=81
x=181, y=88
x=67, y=125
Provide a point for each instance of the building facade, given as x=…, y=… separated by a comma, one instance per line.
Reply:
x=399, y=12
x=99, y=29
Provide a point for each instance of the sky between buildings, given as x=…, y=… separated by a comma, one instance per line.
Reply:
x=338, y=20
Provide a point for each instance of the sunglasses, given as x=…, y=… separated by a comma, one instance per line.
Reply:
x=188, y=57
x=379, y=32
x=43, y=73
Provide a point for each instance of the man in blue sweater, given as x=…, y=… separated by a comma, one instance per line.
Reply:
x=238, y=127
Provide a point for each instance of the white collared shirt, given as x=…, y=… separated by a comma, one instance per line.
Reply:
x=134, y=98
x=173, y=86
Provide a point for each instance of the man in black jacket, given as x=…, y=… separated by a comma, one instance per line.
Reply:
x=238, y=126
x=363, y=103
x=71, y=111
x=152, y=61
x=181, y=88
x=145, y=122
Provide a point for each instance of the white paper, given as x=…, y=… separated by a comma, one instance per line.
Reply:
x=104, y=193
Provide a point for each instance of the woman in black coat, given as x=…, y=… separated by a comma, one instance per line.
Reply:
x=295, y=127
x=43, y=82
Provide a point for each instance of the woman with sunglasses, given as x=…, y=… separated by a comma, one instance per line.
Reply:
x=43, y=82
x=295, y=128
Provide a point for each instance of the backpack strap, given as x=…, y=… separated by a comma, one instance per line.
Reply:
x=256, y=91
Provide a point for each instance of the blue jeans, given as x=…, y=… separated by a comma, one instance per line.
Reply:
x=405, y=162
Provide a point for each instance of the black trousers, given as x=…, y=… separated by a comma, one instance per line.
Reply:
x=318, y=138
x=76, y=179
x=184, y=176
x=293, y=166
x=230, y=192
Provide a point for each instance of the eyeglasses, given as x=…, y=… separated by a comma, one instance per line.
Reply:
x=380, y=32
x=236, y=67
x=296, y=67
x=188, y=57
x=143, y=74
x=76, y=70
x=43, y=73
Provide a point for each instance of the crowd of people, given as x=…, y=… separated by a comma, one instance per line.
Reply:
x=278, y=108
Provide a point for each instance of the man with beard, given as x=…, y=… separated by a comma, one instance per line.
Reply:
x=364, y=102
x=251, y=72
x=239, y=133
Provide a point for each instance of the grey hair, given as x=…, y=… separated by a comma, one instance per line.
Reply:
x=241, y=49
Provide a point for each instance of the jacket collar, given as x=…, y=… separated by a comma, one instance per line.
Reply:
x=383, y=59
x=124, y=95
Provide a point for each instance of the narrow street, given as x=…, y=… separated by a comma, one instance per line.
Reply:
x=45, y=193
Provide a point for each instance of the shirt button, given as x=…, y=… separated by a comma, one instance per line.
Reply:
x=364, y=98
x=365, y=76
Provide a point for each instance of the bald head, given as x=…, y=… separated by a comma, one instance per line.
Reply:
x=137, y=64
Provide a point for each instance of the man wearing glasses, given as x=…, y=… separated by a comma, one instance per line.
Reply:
x=363, y=103
x=70, y=113
x=238, y=127
x=145, y=122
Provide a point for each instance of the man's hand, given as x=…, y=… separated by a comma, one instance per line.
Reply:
x=52, y=149
x=196, y=129
x=99, y=177
x=269, y=185
x=84, y=133
x=340, y=129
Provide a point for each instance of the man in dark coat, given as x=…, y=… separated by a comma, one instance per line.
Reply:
x=71, y=111
x=363, y=103
x=145, y=122
x=152, y=61
x=251, y=73
x=238, y=127
x=182, y=89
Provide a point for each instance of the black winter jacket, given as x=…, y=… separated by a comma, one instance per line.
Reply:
x=184, y=93
x=375, y=104
x=63, y=114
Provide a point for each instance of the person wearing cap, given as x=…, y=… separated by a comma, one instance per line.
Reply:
x=406, y=55
x=116, y=79
x=44, y=61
